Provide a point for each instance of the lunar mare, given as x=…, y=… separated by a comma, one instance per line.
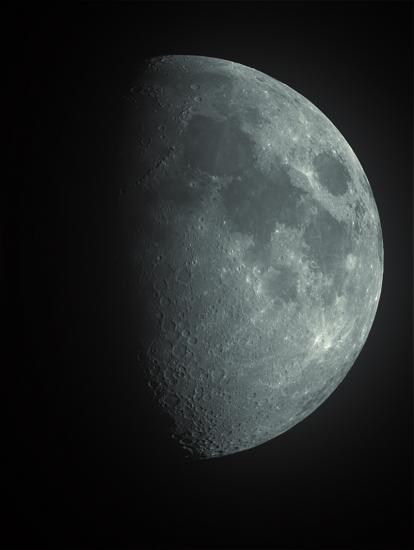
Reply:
x=255, y=246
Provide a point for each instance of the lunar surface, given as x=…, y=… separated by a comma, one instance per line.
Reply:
x=255, y=247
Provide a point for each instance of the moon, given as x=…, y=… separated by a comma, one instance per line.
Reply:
x=255, y=249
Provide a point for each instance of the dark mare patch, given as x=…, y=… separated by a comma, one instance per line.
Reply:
x=281, y=283
x=256, y=201
x=329, y=242
x=217, y=147
x=332, y=173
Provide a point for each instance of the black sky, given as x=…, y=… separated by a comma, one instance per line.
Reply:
x=86, y=467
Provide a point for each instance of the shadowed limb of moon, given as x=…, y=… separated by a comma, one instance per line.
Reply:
x=255, y=248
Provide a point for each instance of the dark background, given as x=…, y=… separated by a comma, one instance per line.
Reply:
x=87, y=465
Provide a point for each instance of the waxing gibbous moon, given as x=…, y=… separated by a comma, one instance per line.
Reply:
x=255, y=248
